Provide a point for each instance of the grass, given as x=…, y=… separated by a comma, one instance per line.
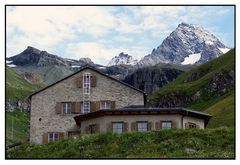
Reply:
x=21, y=126
x=17, y=88
x=222, y=112
x=174, y=143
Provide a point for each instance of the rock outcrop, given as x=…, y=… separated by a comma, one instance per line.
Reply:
x=152, y=79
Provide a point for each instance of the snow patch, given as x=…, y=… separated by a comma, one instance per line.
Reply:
x=75, y=66
x=69, y=60
x=12, y=65
x=209, y=42
x=191, y=59
x=101, y=67
x=224, y=50
x=8, y=61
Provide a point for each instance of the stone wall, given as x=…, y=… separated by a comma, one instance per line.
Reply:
x=44, y=118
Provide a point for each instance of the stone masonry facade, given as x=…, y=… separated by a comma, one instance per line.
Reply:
x=44, y=118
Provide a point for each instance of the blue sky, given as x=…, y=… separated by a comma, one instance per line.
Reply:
x=101, y=33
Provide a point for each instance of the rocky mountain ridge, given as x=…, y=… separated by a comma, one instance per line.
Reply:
x=35, y=57
x=122, y=59
x=186, y=40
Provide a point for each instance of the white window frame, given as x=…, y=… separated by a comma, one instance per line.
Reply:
x=166, y=125
x=142, y=126
x=192, y=125
x=86, y=107
x=66, y=107
x=117, y=127
x=53, y=136
x=105, y=105
x=86, y=83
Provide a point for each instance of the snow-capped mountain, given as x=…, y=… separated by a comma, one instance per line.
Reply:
x=188, y=44
x=122, y=59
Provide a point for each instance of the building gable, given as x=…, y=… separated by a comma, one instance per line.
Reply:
x=79, y=80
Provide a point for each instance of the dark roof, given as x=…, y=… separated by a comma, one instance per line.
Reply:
x=143, y=111
x=134, y=106
x=94, y=69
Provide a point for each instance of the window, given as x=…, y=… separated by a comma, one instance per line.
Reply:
x=192, y=125
x=86, y=83
x=105, y=105
x=73, y=134
x=166, y=125
x=93, y=128
x=53, y=136
x=142, y=126
x=117, y=127
x=85, y=107
x=66, y=108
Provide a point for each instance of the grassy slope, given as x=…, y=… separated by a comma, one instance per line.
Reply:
x=175, y=143
x=17, y=87
x=206, y=102
x=46, y=75
x=21, y=126
x=223, y=112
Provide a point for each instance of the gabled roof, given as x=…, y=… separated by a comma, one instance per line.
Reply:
x=83, y=68
x=143, y=111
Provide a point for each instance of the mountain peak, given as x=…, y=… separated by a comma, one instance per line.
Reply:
x=34, y=56
x=187, y=40
x=86, y=60
x=122, y=58
x=31, y=49
x=183, y=24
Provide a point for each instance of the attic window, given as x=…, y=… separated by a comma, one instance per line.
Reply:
x=86, y=83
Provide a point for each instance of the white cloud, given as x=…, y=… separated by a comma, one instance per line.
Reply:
x=101, y=53
x=97, y=52
x=172, y=11
x=45, y=19
x=47, y=26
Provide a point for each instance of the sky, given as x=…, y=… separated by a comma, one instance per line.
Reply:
x=102, y=32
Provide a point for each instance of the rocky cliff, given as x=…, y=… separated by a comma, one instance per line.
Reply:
x=152, y=78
